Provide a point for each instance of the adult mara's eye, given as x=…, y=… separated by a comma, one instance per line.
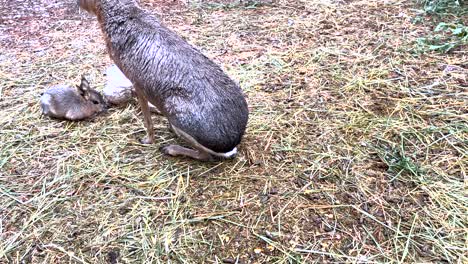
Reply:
x=95, y=102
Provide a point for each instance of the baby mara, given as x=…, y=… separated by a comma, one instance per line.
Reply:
x=202, y=104
x=72, y=103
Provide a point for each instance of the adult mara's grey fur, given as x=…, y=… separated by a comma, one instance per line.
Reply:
x=203, y=105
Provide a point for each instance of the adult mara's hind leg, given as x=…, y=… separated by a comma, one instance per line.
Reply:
x=199, y=152
x=176, y=150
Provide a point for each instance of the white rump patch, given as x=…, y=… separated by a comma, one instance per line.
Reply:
x=229, y=154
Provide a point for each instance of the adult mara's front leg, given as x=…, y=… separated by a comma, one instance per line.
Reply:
x=149, y=139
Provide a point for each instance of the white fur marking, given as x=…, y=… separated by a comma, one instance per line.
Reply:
x=46, y=99
x=230, y=153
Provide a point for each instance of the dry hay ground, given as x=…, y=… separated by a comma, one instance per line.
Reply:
x=355, y=150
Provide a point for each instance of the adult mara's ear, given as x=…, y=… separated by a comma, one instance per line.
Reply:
x=84, y=88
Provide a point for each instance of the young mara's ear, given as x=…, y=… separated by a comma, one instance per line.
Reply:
x=84, y=88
